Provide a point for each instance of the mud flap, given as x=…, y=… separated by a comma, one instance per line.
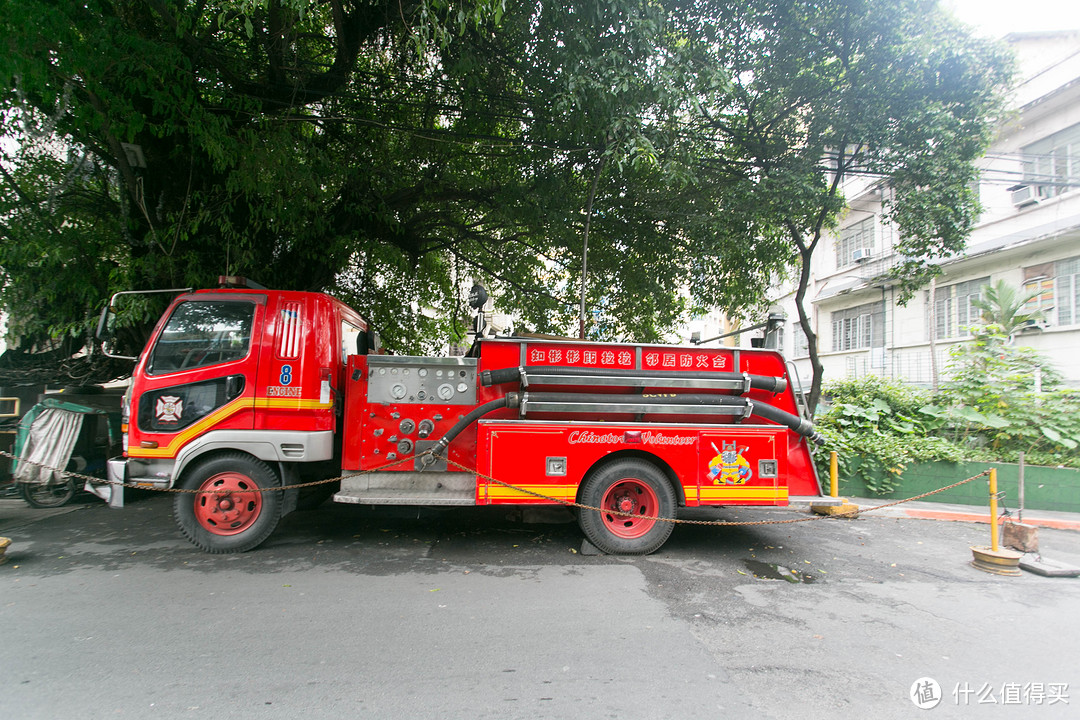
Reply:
x=289, y=476
x=113, y=491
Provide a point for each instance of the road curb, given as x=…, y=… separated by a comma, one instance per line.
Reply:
x=984, y=518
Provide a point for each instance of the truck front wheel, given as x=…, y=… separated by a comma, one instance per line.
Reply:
x=233, y=511
x=631, y=494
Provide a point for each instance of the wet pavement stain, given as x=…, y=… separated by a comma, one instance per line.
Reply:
x=771, y=571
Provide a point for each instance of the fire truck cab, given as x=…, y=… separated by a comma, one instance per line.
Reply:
x=242, y=390
x=235, y=391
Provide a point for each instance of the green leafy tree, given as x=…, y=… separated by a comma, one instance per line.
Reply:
x=825, y=92
x=390, y=152
x=384, y=152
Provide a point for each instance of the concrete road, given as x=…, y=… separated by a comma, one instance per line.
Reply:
x=353, y=612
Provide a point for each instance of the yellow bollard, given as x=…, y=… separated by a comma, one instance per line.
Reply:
x=843, y=508
x=991, y=559
x=834, y=473
x=993, y=510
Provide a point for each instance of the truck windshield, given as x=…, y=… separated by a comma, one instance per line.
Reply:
x=201, y=333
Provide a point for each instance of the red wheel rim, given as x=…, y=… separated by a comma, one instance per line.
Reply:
x=637, y=499
x=232, y=504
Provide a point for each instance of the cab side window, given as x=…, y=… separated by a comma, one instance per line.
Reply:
x=350, y=340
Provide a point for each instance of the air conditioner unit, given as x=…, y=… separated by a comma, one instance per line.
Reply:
x=861, y=254
x=1025, y=195
x=1033, y=325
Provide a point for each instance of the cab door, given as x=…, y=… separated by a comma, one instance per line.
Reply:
x=294, y=389
x=198, y=373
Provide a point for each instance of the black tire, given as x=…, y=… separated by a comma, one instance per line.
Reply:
x=54, y=494
x=233, y=521
x=636, y=487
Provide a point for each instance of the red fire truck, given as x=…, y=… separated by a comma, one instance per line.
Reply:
x=240, y=390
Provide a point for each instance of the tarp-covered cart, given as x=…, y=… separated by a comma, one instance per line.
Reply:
x=59, y=435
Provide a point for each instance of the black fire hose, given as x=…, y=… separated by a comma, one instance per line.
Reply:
x=768, y=383
x=769, y=412
x=800, y=425
x=513, y=400
x=510, y=400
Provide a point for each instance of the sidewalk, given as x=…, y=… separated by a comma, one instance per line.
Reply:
x=966, y=513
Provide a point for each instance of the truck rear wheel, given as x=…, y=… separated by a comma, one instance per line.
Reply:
x=234, y=513
x=631, y=495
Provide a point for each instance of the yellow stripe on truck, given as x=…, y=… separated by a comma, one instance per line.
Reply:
x=221, y=414
x=743, y=493
x=291, y=404
x=560, y=492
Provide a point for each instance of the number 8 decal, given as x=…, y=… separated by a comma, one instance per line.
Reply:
x=286, y=375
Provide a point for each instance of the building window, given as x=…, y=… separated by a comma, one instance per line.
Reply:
x=855, y=243
x=1052, y=165
x=798, y=338
x=1067, y=290
x=1039, y=283
x=1057, y=288
x=954, y=312
x=858, y=327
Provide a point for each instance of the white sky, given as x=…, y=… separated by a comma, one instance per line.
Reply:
x=996, y=18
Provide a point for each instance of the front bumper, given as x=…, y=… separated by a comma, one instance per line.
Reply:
x=113, y=491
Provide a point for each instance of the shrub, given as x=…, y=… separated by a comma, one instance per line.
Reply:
x=877, y=428
x=991, y=404
x=988, y=411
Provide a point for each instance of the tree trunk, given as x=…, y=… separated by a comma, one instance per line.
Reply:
x=811, y=337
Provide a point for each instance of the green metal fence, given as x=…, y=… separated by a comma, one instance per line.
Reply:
x=1045, y=488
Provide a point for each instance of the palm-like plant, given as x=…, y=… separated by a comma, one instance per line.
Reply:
x=1004, y=309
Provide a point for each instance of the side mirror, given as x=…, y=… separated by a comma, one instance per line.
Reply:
x=103, y=325
x=107, y=320
x=105, y=331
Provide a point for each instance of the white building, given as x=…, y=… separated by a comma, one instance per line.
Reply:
x=1028, y=236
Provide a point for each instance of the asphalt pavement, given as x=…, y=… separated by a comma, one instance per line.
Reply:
x=361, y=612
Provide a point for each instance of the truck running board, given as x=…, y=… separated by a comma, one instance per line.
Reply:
x=408, y=488
x=404, y=497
